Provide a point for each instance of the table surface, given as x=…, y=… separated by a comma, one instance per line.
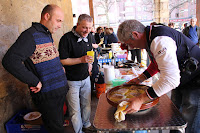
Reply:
x=106, y=48
x=163, y=116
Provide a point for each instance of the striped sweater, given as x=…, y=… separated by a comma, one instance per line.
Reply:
x=33, y=58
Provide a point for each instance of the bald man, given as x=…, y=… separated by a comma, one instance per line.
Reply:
x=34, y=60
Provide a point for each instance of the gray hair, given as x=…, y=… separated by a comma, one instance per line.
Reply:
x=194, y=18
x=85, y=17
x=126, y=28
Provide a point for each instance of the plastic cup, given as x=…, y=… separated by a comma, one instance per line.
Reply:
x=91, y=53
x=117, y=82
x=110, y=54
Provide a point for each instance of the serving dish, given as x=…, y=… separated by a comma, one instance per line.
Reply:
x=32, y=116
x=120, y=93
x=127, y=64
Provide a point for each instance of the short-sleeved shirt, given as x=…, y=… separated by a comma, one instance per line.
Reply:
x=70, y=46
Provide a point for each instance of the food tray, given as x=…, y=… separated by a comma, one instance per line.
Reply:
x=144, y=106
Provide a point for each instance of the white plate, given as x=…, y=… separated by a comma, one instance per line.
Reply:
x=32, y=116
x=127, y=77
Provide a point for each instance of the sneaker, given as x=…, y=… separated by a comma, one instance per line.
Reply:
x=66, y=123
x=89, y=129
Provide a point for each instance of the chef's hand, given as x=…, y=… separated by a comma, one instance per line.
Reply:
x=37, y=88
x=136, y=103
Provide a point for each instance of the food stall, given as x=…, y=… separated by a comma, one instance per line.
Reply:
x=158, y=114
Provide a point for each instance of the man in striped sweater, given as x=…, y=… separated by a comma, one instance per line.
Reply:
x=34, y=60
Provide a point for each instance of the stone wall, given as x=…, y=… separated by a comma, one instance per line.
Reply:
x=161, y=11
x=16, y=16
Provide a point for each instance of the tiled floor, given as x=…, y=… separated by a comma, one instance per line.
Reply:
x=69, y=129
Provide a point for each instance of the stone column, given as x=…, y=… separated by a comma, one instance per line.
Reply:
x=161, y=11
x=91, y=9
x=198, y=12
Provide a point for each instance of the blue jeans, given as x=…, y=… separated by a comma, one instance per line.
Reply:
x=187, y=100
x=79, y=103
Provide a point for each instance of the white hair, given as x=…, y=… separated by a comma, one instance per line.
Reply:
x=194, y=18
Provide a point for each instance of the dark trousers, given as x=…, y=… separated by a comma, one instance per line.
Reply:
x=136, y=53
x=187, y=100
x=52, y=113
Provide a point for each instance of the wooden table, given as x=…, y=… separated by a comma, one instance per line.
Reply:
x=163, y=116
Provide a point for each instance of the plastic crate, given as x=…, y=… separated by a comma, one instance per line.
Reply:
x=16, y=125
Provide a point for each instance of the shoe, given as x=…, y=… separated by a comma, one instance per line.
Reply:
x=66, y=123
x=89, y=129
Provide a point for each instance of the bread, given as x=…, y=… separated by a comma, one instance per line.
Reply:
x=120, y=114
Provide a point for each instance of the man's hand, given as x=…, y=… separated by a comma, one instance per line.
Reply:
x=95, y=45
x=64, y=69
x=86, y=59
x=37, y=88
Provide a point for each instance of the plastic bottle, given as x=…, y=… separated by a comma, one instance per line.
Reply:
x=114, y=60
x=100, y=84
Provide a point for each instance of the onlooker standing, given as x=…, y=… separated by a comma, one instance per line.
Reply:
x=184, y=26
x=110, y=37
x=99, y=35
x=193, y=31
x=113, y=36
x=92, y=32
x=34, y=60
x=171, y=25
x=136, y=53
x=73, y=49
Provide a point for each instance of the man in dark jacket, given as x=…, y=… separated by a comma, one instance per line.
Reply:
x=34, y=60
x=193, y=31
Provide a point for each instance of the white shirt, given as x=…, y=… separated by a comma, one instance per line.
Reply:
x=164, y=51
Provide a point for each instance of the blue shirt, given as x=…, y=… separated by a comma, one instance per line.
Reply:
x=193, y=34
